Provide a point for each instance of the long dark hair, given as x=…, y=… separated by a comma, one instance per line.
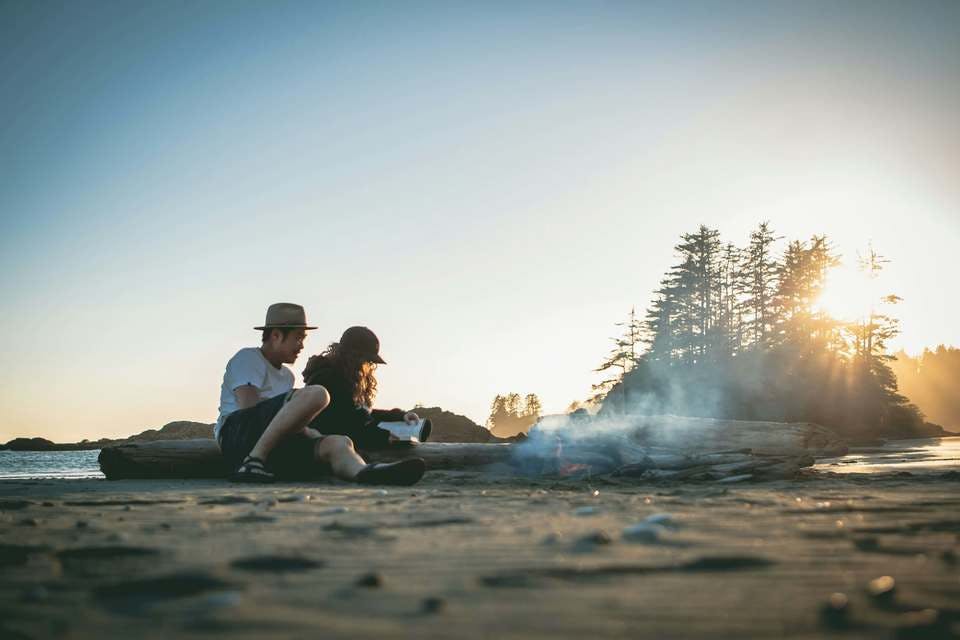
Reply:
x=355, y=368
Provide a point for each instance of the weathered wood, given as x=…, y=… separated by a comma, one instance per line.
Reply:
x=199, y=458
x=633, y=437
x=631, y=445
x=202, y=458
x=762, y=438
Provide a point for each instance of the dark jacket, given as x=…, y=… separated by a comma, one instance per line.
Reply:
x=343, y=416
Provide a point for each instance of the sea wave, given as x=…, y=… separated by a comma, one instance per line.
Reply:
x=66, y=465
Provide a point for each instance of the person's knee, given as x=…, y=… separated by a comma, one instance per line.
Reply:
x=331, y=446
x=314, y=398
x=340, y=443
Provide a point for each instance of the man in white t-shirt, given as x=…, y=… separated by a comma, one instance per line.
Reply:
x=262, y=428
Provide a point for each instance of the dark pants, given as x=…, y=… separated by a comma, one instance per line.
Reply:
x=291, y=458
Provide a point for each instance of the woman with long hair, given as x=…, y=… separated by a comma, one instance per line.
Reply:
x=347, y=369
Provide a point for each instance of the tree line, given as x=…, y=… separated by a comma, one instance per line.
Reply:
x=737, y=332
x=510, y=414
x=932, y=380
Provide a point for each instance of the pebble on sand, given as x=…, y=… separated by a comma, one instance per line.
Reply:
x=881, y=590
x=835, y=611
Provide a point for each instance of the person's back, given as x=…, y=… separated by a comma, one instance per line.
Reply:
x=249, y=367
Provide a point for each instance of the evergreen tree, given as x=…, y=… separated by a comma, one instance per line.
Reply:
x=532, y=407
x=622, y=357
x=761, y=282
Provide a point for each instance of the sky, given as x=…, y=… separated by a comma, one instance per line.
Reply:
x=489, y=186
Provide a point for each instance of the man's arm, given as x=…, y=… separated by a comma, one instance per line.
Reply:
x=246, y=395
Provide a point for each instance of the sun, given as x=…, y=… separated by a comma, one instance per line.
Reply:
x=848, y=295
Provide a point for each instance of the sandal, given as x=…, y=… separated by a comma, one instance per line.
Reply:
x=403, y=473
x=252, y=470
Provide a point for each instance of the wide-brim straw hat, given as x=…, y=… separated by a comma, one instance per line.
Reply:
x=285, y=315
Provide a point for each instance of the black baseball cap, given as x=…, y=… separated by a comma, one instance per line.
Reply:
x=364, y=342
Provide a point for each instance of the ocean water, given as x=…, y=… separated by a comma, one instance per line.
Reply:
x=49, y=464
x=915, y=456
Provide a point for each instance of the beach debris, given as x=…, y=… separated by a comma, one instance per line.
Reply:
x=642, y=532
x=882, y=590
x=433, y=604
x=275, y=563
x=29, y=522
x=372, y=580
x=835, y=612
x=330, y=511
x=949, y=556
x=585, y=511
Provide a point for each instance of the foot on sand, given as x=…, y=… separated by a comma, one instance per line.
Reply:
x=252, y=470
x=404, y=472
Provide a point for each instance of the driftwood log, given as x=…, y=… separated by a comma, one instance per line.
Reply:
x=202, y=459
x=648, y=447
x=763, y=438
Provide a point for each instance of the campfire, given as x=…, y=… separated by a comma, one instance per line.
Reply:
x=671, y=448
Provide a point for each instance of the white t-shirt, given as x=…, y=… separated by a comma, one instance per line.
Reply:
x=249, y=366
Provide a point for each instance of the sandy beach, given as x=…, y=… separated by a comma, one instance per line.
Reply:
x=467, y=555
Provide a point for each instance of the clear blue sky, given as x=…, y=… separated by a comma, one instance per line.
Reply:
x=489, y=186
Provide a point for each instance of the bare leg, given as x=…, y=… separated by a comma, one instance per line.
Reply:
x=303, y=407
x=338, y=452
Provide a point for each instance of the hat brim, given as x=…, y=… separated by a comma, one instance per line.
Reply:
x=378, y=360
x=284, y=326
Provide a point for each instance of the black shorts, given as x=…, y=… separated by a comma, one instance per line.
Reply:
x=292, y=458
